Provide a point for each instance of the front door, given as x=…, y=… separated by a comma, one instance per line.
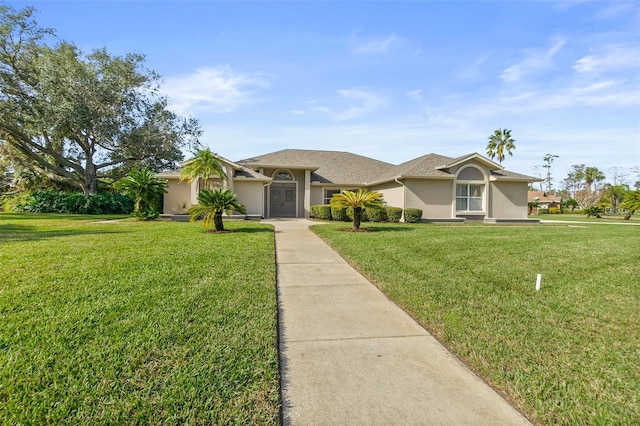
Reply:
x=283, y=200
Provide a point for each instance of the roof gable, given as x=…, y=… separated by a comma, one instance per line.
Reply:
x=466, y=158
x=424, y=167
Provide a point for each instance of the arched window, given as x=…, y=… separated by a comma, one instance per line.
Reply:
x=470, y=188
x=470, y=173
x=282, y=175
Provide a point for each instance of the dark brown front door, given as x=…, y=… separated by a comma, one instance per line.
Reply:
x=283, y=200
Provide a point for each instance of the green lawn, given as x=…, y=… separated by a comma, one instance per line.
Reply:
x=136, y=323
x=583, y=218
x=569, y=354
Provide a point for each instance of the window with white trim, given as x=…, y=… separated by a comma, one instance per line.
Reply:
x=328, y=193
x=469, y=197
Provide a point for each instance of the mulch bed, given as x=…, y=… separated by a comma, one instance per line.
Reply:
x=357, y=230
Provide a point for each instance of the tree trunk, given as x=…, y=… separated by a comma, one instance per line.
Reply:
x=90, y=178
x=357, y=217
x=217, y=222
x=629, y=214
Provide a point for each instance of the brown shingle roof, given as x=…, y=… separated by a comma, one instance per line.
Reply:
x=425, y=166
x=345, y=168
x=328, y=166
x=543, y=197
x=507, y=175
x=238, y=171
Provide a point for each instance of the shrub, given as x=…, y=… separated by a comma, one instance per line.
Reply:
x=376, y=214
x=394, y=214
x=594, y=211
x=412, y=215
x=15, y=202
x=322, y=211
x=147, y=214
x=554, y=210
x=340, y=214
x=543, y=211
x=51, y=201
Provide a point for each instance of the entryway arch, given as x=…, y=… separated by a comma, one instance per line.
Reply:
x=282, y=194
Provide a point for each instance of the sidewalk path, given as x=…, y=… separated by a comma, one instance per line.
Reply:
x=349, y=356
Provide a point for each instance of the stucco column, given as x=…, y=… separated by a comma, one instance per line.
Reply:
x=229, y=181
x=307, y=193
x=488, y=198
x=194, y=192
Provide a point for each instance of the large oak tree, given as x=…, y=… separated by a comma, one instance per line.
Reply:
x=74, y=117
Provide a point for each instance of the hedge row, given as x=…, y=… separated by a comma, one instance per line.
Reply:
x=384, y=214
x=51, y=201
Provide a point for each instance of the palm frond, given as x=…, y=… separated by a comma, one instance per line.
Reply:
x=204, y=165
x=213, y=202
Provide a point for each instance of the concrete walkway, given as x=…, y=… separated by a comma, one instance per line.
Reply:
x=350, y=356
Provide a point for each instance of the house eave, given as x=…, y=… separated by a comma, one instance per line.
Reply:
x=405, y=177
x=512, y=179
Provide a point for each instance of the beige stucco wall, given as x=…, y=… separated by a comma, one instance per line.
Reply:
x=392, y=192
x=432, y=196
x=317, y=195
x=177, y=198
x=249, y=193
x=508, y=200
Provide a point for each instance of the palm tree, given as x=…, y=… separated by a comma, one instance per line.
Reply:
x=631, y=202
x=212, y=203
x=145, y=189
x=614, y=193
x=202, y=167
x=499, y=143
x=358, y=201
x=592, y=175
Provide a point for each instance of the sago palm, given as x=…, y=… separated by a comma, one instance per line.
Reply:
x=212, y=203
x=631, y=202
x=358, y=201
x=202, y=167
x=145, y=189
x=500, y=143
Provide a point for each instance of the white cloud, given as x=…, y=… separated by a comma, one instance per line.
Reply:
x=616, y=57
x=376, y=45
x=415, y=94
x=472, y=72
x=616, y=9
x=535, y=60
x=350, y=103
x=213, y=89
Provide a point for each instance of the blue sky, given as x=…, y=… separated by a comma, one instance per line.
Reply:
x=390, y=80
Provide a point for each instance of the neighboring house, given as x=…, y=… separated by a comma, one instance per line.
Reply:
x=287, y=183
x=546, y=201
